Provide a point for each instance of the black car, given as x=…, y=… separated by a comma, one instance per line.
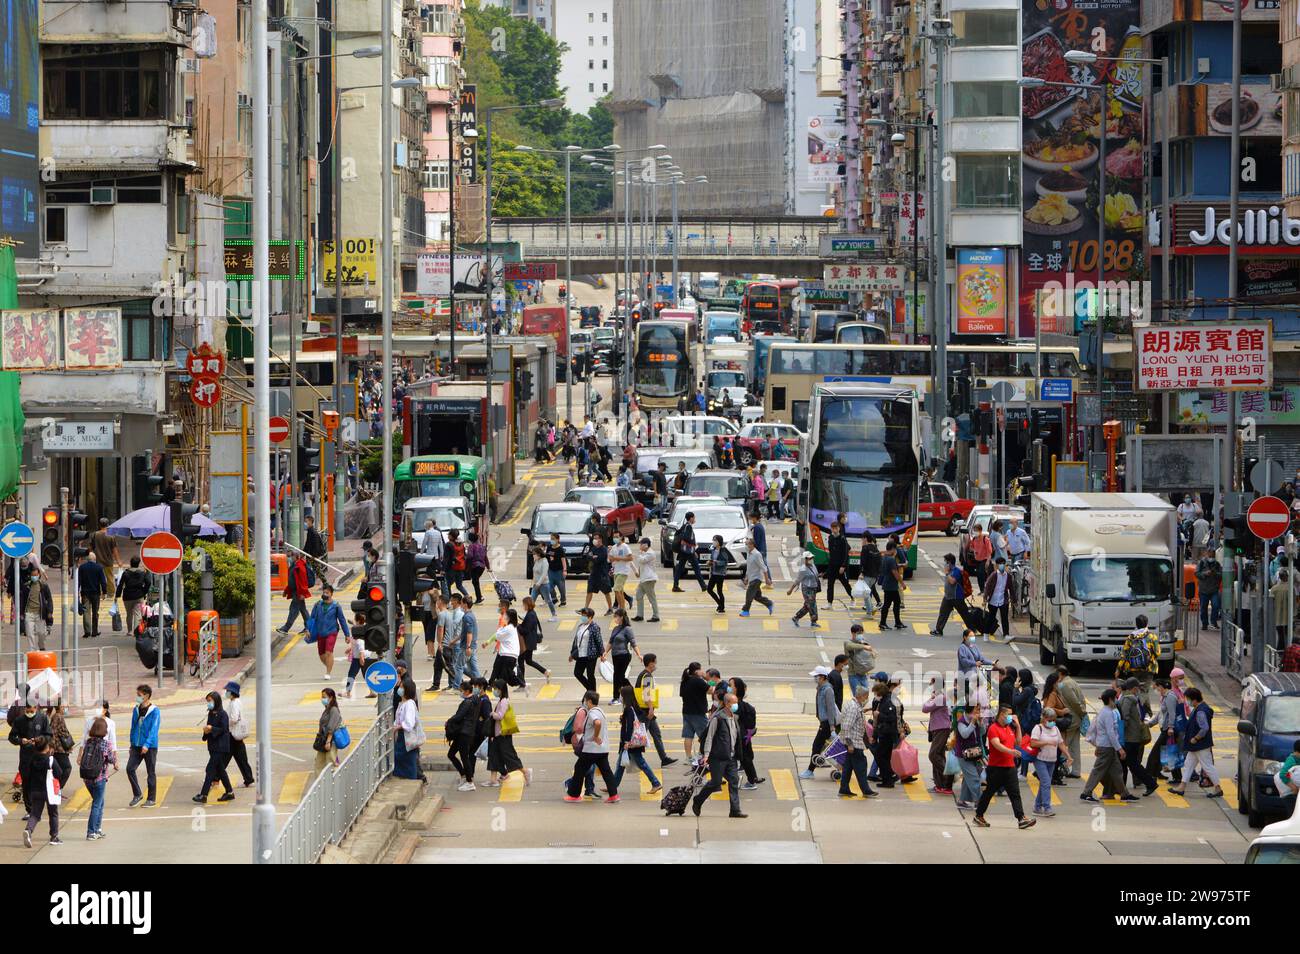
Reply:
x=574, y=522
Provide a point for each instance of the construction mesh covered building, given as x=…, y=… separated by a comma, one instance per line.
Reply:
x=709, y=80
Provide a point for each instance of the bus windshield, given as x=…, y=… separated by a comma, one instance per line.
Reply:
x=662, y=367
x=856, y=333
x=1121, y=580
x=864, y=464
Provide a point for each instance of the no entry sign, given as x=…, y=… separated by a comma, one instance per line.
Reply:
x=161, y=553
x=279, y=430
x=1268, y=517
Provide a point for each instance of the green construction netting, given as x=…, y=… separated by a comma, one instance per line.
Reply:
x=11, y=405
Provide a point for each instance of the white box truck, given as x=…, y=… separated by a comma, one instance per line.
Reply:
x=1097, y=561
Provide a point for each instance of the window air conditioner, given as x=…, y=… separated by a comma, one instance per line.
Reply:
x=103, y=195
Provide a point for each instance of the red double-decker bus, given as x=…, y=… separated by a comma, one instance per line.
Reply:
x=768, y=306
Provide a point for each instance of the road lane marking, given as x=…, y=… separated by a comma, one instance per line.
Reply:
x=720, y=625
x=916, y=791
x=549, y=691
x=295, y=783
x=512, y=788
x=783, y=691
x=784, y=785
x=668, y=626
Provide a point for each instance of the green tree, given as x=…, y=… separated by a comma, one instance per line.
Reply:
x=524, y=183
x=528, y=62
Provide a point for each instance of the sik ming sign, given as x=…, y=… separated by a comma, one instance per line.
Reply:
x=1203, y=355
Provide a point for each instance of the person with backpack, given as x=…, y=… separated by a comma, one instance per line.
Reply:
x=217, y=735
x=809, y=584
x=238, y=733
x=956, y=587
x=146, y=720
x=590, y=743
x=461, y=730
x=323, y=626
x=97, y=757
x=297, y=591
x=1139, y=657
x=455, y=563
x=476, y=557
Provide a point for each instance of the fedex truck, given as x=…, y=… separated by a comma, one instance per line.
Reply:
x=1097, y=561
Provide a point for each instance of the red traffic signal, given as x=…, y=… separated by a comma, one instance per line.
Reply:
x=50, y=516
x=375, y=594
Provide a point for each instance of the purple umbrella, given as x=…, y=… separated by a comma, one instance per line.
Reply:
x=138, y=524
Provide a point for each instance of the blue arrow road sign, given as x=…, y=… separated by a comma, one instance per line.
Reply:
x=16, y=540
x=381, y=677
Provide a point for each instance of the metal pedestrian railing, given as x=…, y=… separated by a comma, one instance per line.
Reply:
x=95, y=680
x=1272, y=659
x=336, y=799
x=205, y=664
x=1236, y=650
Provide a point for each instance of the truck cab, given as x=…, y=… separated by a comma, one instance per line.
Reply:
x=1099, y=560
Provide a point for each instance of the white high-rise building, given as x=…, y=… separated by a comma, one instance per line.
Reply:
x=587, y=69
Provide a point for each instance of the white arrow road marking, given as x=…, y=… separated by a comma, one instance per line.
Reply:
x=923, y=653
x=719, y=651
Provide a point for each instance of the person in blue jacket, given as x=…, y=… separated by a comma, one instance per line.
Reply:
x=323, y=624
x=146, y=718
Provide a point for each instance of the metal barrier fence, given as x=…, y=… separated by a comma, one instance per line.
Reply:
x=1235, y=662
x=205, y=664
x=82, y=685
x=1272, y=659
x=334, y=801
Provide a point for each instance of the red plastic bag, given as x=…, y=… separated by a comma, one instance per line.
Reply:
x=905, y=761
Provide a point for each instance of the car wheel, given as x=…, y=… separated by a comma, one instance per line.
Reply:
x=954, y=525
x=746, y=457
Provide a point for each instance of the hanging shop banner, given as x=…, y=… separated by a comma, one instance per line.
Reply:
x=909, y=221
x=1278, y=406
x=864, y=277
x=471, y=277
x=359, y=262
x=1060, y=169
x=92, y=338
x=825, y=150
x=31, y=340
x=1205, y=355
x=530, y=272
x=468, y=149
x=981, y=291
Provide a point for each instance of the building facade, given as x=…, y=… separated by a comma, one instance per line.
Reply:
x=586, y=67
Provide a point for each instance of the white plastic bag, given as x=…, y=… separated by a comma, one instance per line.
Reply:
x=606, y=670
x=861, y=590
x=53, y=790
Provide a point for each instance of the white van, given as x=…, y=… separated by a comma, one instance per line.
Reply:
x=694, y=430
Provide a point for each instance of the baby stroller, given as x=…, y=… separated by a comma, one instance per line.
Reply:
x=832, y=756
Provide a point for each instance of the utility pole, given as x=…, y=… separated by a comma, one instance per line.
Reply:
x=264, y=809
x=386, y=290
x=941, y=34
x=568, y=271
x=453, y=169
x=340, y=462
x=1234, y=216
x=676, y=229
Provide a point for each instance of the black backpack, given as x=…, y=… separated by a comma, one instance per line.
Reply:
x=92, y=760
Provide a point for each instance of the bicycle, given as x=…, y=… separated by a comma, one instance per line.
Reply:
x=1019, y=570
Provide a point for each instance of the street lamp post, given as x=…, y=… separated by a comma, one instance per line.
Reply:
x=453, y=170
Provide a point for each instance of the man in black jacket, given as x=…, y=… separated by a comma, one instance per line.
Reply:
x=313, y=543
x=134, y=587
x=721, y=750
x=92, y=584
x=30, y=730
x=684, y=544
x=37, y=604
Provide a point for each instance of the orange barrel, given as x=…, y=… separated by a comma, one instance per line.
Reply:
x=194, y=620
x=1189, y=576
x=37, y=661
x=279, y=572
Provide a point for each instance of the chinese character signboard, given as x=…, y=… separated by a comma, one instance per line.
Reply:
x=912, y=228
x=1063, y=126
x=72, y=437
x=288, y=259
x=358, y=262
x=93, y=338
x=1203, y=355
x=31, y=340
x=530, y=272
x=872, y=278
x=981, y=291
x=203, y=362
x=1280, y=406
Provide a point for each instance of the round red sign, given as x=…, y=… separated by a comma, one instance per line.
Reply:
x=1268, y=517
x=205, y=392
x=279, y=430
x=161, y=553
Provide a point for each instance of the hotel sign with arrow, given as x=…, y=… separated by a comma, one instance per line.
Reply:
x=1203, y=356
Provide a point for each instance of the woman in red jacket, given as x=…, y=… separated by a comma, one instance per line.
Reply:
x=297, y=592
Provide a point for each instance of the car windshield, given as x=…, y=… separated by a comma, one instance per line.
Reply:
x=983, y=520
x=726, y=379
x=448, y=518
x=719, y=518
x=726, y=487
x=1282, y=715
x=1120, y=579
x=1277, y=853
x=596, y=496
x=560, y=521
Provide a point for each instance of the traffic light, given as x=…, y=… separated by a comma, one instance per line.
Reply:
x=51, y=537
x=409, y=583
x=78, y=535
x=146, y=486
x=525, y=385
x=308, y=459
x=181, y=516
x=373, y=633
x=1236, y=534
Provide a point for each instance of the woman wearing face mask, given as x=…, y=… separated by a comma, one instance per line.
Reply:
x=238, y=733
x=324, y=624
x=330, y=719
x=967, y=743
x=502, y=727
x=217, y=734
x=408, y=732
x=622, y=644
x=1046, y=742
x=1001, y=772
x=632, y=744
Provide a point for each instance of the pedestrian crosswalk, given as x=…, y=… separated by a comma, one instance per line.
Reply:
x=291, y=787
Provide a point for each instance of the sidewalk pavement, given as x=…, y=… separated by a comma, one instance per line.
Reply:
x=1202, y=662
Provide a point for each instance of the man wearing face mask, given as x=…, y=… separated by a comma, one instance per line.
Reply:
x=1001, y=770
x=721, y=750
x=145, y=722
x=30, y=731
